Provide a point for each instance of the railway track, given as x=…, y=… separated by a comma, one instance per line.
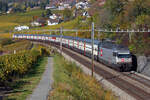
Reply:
x=140, y=79
x=134, y=85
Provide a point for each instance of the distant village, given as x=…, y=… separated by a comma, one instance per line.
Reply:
x=55, y=18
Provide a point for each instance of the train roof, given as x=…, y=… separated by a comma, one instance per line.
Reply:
x=39, y=35
x=68, y=37
x=112, y=45
x=86, y=40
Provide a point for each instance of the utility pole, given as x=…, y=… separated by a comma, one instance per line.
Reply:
x=76, y=33
x=99, y=35
x=61, y=31
x=130, y=37
x=92, y=38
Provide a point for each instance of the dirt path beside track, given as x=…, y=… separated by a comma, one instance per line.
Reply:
x=41, y=92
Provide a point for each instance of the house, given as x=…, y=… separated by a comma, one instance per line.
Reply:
x=19, y=28
x=34, y=8
x=101, y=2
x=52, y=21
x=86, y=14
x=82, y=5
x=35, y=23
x=58, y=2
x=50, y=7
x=67, y=6
x=9, y=10
x=63, y=6
x=39, y=22
x=47, y=7
x=55, y=16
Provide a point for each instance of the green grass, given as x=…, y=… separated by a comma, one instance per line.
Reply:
x=70, y=83
x=57, y=11
x=8, y=22
x=18, y=46
x=22, y=88
x=68, y=25
x=73, y=24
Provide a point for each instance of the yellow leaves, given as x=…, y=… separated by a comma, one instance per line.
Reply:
x=16, y=64
x=6, y=35
x=72, y=84
x=7, y=72
x=64, y=87
x=143, y=20
x=18, y=46
x=109, y=96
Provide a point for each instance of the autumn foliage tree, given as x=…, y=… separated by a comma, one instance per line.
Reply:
x=126, y=14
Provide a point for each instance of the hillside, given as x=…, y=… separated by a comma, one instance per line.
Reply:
x=12, y=1
x=120, y=14
x=8, y=22
x=123, y=14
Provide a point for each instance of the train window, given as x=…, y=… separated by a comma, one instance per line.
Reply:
x=114, y=53
x=96, y=49
x=124, y=55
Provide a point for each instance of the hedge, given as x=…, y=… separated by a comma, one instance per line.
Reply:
x=12, y=66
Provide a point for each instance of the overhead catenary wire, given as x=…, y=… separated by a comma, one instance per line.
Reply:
x=92, y=30
x=89, y=30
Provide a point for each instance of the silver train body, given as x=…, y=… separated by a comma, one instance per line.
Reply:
x=111, y=54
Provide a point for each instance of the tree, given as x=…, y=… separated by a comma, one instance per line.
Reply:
x=28, y=9
x=18, y=8
x=23, y=7
x=115, y=6
x=43, y=15
x=43, y=5
x=47, y=1
x=67, y=14
x=48, y=12
x=137, y=8
x=142, y=21
x=3, y=6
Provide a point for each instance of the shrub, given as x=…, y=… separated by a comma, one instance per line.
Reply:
x=16, y=65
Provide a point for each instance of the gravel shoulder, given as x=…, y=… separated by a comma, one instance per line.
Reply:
x=41, y=92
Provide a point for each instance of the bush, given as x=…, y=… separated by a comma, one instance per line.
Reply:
x=6, y=41
x=16, y=65
x=132, y=48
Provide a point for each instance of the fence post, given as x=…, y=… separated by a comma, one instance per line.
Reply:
x=61, y=31
x=98, y=35
x=76, y=33
x=92, y=38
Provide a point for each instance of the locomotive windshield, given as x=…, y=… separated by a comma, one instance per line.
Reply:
x=124, y=55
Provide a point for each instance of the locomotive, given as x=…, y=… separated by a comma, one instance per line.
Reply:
x=107, y=52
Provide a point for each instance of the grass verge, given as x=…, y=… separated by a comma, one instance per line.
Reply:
x=23, y=87
x=70, y=83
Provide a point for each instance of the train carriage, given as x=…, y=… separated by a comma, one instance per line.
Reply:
x=111, y=54
x=116, y=56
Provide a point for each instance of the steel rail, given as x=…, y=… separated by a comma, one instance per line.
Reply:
x=136, y=92
x=128, y=87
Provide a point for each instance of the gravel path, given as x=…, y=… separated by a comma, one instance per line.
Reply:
x=42, y=90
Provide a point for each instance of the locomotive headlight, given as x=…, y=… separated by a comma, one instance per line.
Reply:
x=129, y=59
x=123, y=58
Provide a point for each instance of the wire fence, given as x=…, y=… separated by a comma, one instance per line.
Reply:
x=77, y=32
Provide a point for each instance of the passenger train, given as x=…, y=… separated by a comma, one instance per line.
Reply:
x=107, y=52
